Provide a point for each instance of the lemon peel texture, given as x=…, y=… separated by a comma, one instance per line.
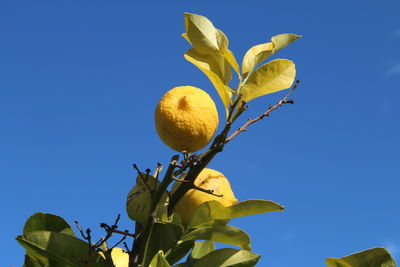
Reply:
x=208, y=179
x=186, y=118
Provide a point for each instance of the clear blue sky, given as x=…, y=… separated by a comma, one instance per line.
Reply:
x=79, y=83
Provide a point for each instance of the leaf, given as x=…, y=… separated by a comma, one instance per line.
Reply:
x=139, y=198
x=163, y=238
x=222, y=40
x=47, y=222
x=271, y=77
x=223, y=48
x=258, y=53
x=213, y=211
x=199, y=250
x=179, y=251
x=159, y=260
x=214, y=62
x=374, y=257
x=201, y=33
x=228, y=257
x=282, y=40
x=206, y=66
x=224, y=234
x=31, y=261
x=255, y=56
x=185, y=36
x=230, y=57
x=64, y=249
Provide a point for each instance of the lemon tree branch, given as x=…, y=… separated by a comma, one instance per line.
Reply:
x=283, y=101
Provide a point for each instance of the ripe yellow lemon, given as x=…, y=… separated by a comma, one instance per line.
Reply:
x=119, y=257
x=208, y=179
x=186, y=118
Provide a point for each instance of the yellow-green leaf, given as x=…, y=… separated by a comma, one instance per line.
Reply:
x=201, y=33
x=214, y=213
x=282, y=40
x=271, y=77
x=224, y=234
x=223, y=48
x=228, y=257
x=255, y=56
x=185, y=36
x=374, y=257
x=159, y=260
x=261, y=52
x=222, y=40
x=230, y=57
x=209, y=66
x=139, y=198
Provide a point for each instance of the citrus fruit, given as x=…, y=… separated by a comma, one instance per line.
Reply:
x=207, y=179
x=186, y=118
x=119, y=257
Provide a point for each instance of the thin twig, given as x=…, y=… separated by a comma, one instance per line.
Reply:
x=141, y=177
x=283, y=101
x=119, y=242
x=207, y=191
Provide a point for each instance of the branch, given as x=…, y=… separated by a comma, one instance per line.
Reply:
x=195, y=187
x=109, y=231
x=283, y=101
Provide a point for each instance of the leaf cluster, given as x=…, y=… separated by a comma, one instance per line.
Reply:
x=160, y=238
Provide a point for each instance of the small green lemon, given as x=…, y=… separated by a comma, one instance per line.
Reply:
x=208, y=179
x=186, y=118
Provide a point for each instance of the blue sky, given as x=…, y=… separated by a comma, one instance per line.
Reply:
x=79, y=83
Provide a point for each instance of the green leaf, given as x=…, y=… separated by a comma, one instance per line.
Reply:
x=201, y=33
x=282, y=40
x=212, y=212
x=374, y=257
x=224, y=234
x=200, y=249
x=47, y=222
x=64, y=249
x=259, y=53
x=271, y=77
x=159, y=260
x=31, y=261
x=179, y=251
x=163, y=238
x=228, y=257
x=206, y=65
x=139, y=198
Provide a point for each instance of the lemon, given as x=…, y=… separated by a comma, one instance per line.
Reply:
x=119, y=257
x=186, y=118
x=208, y=179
